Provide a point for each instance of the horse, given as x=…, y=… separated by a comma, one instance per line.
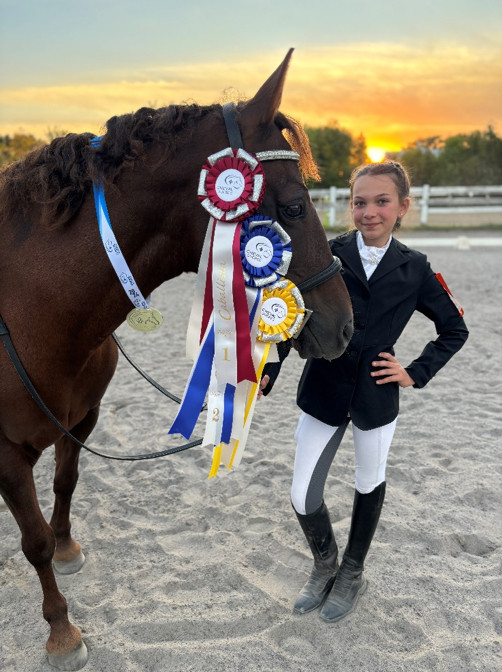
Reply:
x=61, y=300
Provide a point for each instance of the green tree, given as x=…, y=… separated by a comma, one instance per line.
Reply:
x=471, y=159
x=460, y=160
x=336, y=153
x=13, y=148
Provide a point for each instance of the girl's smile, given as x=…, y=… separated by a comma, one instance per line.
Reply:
x=376, y=207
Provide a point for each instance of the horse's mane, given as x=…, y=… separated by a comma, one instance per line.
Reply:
x=59, y=175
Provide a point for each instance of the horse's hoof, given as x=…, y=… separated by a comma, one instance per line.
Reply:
x=69, y=566
x=75, y=660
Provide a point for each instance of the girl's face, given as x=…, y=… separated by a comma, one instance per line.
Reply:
x=375, y=207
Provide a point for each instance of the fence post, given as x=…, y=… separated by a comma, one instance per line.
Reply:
x=332, y=208
x=424, y=212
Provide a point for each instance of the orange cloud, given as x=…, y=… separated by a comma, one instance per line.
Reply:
x=391, y=93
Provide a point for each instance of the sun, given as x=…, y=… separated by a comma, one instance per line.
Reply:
x=376, y=154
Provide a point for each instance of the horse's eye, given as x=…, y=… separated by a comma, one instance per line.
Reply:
x=293, y=211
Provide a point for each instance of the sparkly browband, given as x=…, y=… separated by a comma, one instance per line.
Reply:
x=276, y=154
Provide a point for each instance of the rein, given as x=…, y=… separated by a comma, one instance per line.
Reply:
x=235, y=140
x=14, y=357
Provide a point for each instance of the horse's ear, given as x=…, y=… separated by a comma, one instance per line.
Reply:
x=262, y=108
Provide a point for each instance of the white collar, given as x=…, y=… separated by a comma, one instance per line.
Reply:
x=370, y=255
x=371, y=252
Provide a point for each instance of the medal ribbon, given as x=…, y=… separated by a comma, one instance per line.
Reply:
x=114, y=252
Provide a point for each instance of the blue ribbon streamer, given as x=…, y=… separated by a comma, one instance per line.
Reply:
x=228, y=413
x=228, y=402
x=196, y=389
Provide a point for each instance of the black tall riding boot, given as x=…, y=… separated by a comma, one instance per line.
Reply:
x=319, y=534
x=350, y=581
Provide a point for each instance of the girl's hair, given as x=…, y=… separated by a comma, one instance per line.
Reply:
x=391, y=168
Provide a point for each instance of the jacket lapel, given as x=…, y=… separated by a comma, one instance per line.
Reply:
x=349, y=254
x=395, y=256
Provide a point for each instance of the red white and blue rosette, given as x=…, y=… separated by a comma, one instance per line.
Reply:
x=265, y=251
x=231, y=185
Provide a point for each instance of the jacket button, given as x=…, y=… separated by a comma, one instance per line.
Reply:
x=353, y=353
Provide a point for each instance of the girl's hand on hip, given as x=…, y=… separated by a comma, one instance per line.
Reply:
x=393, y=371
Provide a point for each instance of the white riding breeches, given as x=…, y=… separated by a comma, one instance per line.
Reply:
x=316, y=446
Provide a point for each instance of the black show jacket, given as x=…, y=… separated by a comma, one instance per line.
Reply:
x=402, y=283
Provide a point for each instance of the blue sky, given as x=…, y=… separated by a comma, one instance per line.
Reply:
x=58, y=51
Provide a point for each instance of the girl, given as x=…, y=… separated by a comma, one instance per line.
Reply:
x=387, y=282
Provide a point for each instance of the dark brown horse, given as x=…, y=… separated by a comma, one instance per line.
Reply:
x=61, y=300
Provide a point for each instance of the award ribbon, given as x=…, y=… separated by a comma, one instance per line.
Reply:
x=442, y=281
x=242, y=304
x=114, y=252
x=142, y=317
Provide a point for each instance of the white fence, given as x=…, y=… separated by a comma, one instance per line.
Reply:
x=426, y=199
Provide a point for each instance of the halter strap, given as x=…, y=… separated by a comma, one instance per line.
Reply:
x=235, y=138
x=233, y=130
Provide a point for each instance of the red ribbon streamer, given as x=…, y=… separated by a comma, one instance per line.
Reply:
x=207, y=309
x=445, y=286
x=245, y=366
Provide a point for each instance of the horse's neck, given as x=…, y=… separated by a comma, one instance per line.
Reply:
x=158, y=237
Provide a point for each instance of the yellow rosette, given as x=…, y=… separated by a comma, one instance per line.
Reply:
x=282, y=312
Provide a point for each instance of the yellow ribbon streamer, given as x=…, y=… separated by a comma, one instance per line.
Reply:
x=251, y=398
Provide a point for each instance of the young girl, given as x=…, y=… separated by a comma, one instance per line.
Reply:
x=387, y=282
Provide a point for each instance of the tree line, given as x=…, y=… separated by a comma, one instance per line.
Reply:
x=465, y=159
x=459, y=160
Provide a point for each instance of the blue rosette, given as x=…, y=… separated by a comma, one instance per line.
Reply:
x=265, y=251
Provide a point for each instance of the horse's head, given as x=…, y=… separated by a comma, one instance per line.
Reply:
x=287, y=200
x=203, y=132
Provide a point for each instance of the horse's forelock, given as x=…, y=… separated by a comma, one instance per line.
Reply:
x=294, y=133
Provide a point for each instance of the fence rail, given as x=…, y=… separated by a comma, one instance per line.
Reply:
x=426, y=199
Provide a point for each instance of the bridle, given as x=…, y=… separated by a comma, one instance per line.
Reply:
x=235, y=140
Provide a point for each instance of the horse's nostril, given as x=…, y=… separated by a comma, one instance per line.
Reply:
x=348, y=330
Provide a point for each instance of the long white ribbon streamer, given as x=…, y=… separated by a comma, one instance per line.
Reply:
x=215, y=406
x=225, y=355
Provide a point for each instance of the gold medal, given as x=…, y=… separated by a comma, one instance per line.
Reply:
x=144, y=319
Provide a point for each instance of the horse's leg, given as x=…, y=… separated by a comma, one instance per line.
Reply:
x=68, y=557
x=65, y=647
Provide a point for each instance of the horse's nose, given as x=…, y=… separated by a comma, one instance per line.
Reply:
x=348, y=329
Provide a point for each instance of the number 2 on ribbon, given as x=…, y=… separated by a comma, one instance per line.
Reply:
x=216, y=414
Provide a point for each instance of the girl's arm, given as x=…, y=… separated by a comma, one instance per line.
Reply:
x=435, y=303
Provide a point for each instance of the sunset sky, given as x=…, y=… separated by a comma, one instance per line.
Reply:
x=394, y=71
